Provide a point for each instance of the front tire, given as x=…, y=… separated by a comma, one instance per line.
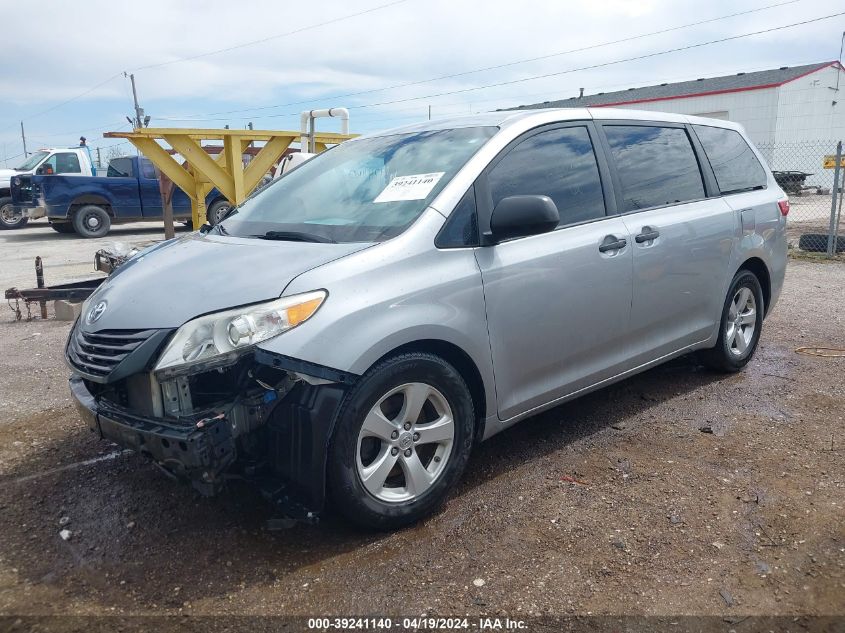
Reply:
x=91, y=221
x=403, y=438
x=9, y=217
x=740, y=325
x=216, y=211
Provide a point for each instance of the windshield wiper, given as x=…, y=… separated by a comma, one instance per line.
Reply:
x=295, y=236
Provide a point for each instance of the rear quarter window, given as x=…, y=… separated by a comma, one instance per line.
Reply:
x=733, y=162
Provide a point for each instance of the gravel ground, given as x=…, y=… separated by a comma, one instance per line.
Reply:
x=66, y=257
x=678, y=491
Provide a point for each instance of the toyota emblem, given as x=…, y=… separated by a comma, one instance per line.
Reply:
x=96, y=312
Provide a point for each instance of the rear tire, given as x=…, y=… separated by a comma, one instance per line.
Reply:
x=9, y=218
x=216, y=211
x=740, y=325
x=91, y=221
x=817, y=243
x=62, y=227
x=390, y=462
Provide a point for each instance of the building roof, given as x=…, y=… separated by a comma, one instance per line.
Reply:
x=696, y=88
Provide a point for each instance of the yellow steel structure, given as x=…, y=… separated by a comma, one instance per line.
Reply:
x=225, y=171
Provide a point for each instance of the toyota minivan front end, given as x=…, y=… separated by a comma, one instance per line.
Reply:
x=190, y=374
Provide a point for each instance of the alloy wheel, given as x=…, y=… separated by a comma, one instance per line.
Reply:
x=405, y=442
x=741, y=321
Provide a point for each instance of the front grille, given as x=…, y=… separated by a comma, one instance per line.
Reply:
x=98, y=353
x=23, y=191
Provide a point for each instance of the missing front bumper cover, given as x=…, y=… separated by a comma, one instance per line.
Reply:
x=285, y=454
x=200, y=454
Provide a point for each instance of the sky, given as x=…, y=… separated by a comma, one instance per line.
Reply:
x=64, y=61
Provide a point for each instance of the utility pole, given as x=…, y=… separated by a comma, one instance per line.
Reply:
x=23, y=138
x=165, y=185
x=139, y=113
x=429, y=112
x=99, y=159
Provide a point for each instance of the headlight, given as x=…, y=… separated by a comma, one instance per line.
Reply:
x=217, y=339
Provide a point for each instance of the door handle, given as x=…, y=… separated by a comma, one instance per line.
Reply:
x=612, y=243
x=647, y=235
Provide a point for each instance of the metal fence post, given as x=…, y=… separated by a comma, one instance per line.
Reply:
x=831, y=236
x=838, y=219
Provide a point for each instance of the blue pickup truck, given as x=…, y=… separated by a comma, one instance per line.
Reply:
x=89, y=206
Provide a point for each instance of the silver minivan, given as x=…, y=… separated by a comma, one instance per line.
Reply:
x=347, y=335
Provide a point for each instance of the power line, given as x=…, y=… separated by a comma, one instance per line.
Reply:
x=273, y=37
x=554, y=74
x=214, y=52
x=504, y=65
x=82, y=131
x=651, y=79
x=65, y=102
x=604, y=64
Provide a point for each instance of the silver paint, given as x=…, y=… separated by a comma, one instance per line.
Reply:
x=544, y=318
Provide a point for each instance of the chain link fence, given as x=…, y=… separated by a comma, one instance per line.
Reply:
x=814, y=197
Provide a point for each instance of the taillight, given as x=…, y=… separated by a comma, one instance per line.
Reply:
x=783, y=205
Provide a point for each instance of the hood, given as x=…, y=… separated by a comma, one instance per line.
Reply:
x=6, y=175
x=175, y=281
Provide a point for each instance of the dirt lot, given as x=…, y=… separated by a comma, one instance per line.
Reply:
x=65, y=257
x=676, y=492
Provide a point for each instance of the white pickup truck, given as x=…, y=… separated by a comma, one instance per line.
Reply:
x=68, y=161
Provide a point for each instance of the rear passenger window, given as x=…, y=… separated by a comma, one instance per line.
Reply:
x=735, y=165
x=558, y=163
x=657, y=165
x=120, y=168
x=147, y=169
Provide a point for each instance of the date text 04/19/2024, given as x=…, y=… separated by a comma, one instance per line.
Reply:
x=421, y=623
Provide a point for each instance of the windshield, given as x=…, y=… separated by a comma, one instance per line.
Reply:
x=365, y=190
x=32, y=161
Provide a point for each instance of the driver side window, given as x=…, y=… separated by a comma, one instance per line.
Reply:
x=64, y=163
x=558, y=163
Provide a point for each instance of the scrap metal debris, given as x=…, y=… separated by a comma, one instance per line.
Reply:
x=572, y=480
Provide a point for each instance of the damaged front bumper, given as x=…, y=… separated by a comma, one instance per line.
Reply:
x=200, y=452
x=276, y=436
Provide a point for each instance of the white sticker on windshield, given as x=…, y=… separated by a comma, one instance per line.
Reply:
x=413, y=187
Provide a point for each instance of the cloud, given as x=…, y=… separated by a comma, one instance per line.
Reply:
x=53, y=53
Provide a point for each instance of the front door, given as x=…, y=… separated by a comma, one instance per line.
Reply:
x=558, y=304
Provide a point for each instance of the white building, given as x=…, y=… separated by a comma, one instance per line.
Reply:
x=775, y=106
x=781, y=109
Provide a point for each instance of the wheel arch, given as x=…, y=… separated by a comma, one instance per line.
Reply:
x=761, y=271
x=91, y=199
x=461, y=361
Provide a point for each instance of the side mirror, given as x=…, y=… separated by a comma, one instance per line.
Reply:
x=519, y=216
x=44, y=170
